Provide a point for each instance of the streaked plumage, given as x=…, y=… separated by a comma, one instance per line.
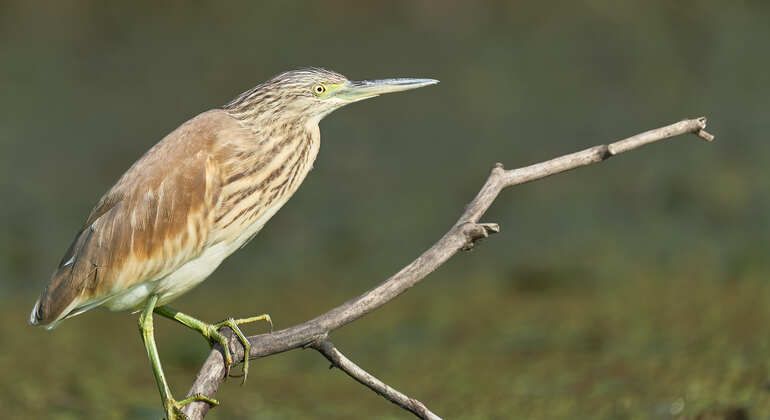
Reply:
x=192, y=200
x=189, y=202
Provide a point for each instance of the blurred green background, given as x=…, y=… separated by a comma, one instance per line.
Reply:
x=632, y=289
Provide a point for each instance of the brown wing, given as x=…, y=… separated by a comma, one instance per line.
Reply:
x=156, y=218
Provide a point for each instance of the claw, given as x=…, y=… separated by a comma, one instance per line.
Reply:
x=173, y=407
x=214, y=336
x=199, y=398
x=233, y=325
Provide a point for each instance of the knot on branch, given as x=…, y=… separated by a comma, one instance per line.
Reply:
x=474, y=232
x=701, y=132
x=603, y=151
x=498, y=170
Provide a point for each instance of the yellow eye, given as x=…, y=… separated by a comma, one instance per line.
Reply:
x=319, y=89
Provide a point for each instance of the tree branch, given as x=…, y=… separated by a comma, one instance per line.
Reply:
x=327, y=349
x=461, y=236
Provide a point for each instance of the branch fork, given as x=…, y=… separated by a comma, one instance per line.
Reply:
x=463, y=235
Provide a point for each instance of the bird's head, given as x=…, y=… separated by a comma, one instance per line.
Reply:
x=311, y=94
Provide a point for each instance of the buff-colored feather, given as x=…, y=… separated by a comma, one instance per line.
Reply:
x=199, y=194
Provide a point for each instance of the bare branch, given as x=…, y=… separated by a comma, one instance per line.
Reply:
x=462, y=236
x=326, y=348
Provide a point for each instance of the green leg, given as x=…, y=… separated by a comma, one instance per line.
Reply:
x=172, y=408
x=212, y=334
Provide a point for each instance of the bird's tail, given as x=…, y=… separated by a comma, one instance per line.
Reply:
x=63, y=295
x=58, y=300
x=36, y=317
x=40, y=317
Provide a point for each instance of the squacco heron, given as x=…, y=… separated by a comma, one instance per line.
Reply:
x=193, y=199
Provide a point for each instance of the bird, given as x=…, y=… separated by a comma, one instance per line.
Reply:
x=198, y=195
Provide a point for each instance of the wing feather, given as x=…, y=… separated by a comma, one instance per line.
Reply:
x=155, y=219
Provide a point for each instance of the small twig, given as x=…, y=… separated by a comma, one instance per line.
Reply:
x=463, y=235
x=338, y=360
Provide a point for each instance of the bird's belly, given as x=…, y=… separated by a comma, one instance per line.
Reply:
x=180, y=281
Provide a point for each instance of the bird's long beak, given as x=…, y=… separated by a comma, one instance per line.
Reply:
x=359, y=90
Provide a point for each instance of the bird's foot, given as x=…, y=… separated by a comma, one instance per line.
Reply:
x=173, y=408
x=215, y=336
x=212, y=333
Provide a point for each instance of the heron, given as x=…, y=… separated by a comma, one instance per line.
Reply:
x=198, y=195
